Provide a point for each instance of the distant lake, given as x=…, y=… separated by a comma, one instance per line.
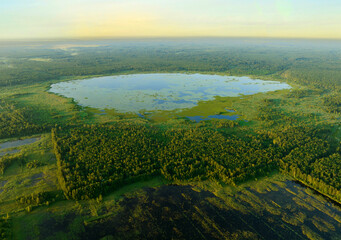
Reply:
x=158, y=91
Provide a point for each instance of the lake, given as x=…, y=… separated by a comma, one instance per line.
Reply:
x=138, y=93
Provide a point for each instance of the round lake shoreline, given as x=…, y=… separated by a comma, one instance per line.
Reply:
x=136, y=93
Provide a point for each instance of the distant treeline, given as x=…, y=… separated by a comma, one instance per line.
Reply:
x=315, y=66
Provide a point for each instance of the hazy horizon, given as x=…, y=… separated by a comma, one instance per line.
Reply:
x=146, y=38
x=75, y=19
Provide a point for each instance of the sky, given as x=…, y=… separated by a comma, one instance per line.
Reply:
x=34, y=19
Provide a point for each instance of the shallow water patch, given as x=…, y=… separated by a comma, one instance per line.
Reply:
x=159, y=91
x=17, y=143
x=210, y=117
x=9, y=152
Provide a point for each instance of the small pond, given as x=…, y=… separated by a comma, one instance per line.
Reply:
x=159, y=91
x=217, y=116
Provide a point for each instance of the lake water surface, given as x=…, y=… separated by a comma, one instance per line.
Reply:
x=159, y=91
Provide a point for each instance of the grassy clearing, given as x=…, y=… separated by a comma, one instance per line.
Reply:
x=34, y=172
x=154, y=182
x=48, y=108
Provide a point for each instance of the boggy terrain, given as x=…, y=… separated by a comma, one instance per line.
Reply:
x=85, y=171
x=273, y=208
x=283, y=211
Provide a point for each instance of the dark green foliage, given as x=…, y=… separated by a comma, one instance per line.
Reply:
x=96, y=159
x=39, y=198
x=16, y=121
x=332, y=102
x=5, y=161
x=33, y=164
x=328, y=169
x=5, y=228
x=309, y=157
x=206, y=154
x=92, y=159
x=301, y=93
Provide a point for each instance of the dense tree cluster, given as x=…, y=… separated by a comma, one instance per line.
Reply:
x=16, y=121
x=92, y=159
x=5, y=228
x=270, y=114
x=95, y=159
x=98, y=158
x=301, y=93
x=39, y=198
x=309, y=155
x=328, y=169
x=206, y=153
x=332, y=102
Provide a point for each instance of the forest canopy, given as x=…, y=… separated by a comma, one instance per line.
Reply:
x=96, y=159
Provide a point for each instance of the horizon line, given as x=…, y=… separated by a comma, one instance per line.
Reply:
x=159, y=37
